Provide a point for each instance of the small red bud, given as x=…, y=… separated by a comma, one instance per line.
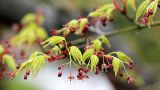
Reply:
x=103, y=20
x=27, y=72
x=25, y=77
x=71, y=77
x=150, y=11
x=59, y=74
x=11, y=75
x=110, y=65
x=72, y=29
x=85, y=29
x=19, y=65
x=97, y=71
x=130, y=79
x=60, y=67
x=54, y=32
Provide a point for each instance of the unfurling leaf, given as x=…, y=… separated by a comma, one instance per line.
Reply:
x=73, y=23
x=116, y=65
x=83, y=22
x=87, y=54
x=76, y=54
x=1, y=49
x=105, y=40
x=34, y=63
x=53, y=41
x=105, y=10
x=123, y=57
x=56, y=50
x=41, y=33
x=9, y=61
x=97, y=44
x=94, y=62
x=142, y=8
x=94, y=14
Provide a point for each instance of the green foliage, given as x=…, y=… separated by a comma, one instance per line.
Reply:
x=105, y=40
x=56, y=49
x=76, y=54
x=122, y=56
x=34, y=63
x=31, y=18
x=105, y=10
x=9, y=61
x=87, y=54
x=78, y=25
x=32, y=31
x=116, y=65
x=53, y=41
x=142, y=9
x=94, y=62
x=145, y=7
x=97, y=44
x=1, y=49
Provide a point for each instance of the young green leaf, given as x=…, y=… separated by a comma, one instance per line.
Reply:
x=1, y=49
x=116, y=65
x=97, y=44
x=56, y=50
x=83, y=22
x=122, y=56
x=76, y=54
x=87, y=54
x=53, y=41
x=9, y=61
x=105, y=40
x=94, y=62
x=34, y=63
x=41, y=33
x=105, y=10
x=142, y=8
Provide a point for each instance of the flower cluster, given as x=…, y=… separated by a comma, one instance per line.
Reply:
x=145, y=19
x=146, y=11
x=91, y=58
